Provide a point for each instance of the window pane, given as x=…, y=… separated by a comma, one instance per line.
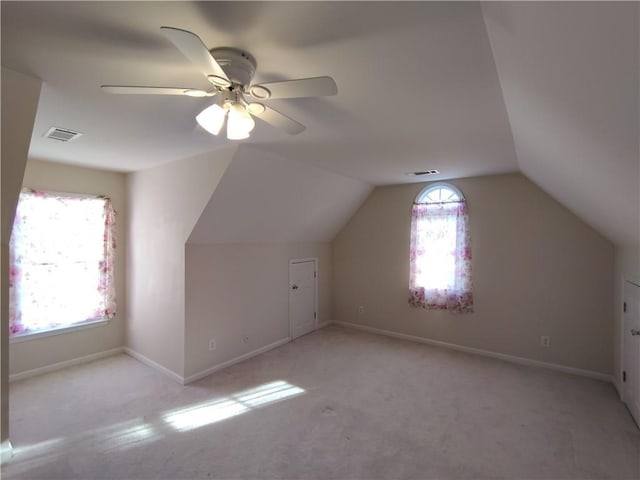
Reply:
x=436, y=265
x=438, y=194
x=59, y=269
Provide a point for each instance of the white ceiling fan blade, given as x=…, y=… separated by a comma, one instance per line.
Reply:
x=280, y=120
x=127, y=89
x=192, y=47
x=304, y=87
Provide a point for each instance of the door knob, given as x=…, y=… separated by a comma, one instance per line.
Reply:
x=295, y=287
x=635, y=332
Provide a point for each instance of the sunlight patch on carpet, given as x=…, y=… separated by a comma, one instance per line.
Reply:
x=206, y=413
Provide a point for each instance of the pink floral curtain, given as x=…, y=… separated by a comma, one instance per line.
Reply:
x=440, y=257
x=61, y=258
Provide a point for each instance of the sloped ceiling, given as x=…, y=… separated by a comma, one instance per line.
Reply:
x=569, y=75
x=263, y=198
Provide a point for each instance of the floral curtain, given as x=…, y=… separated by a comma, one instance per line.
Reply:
x=61, y=256
x=440, y=257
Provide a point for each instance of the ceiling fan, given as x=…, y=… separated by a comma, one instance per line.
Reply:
x=230, y=71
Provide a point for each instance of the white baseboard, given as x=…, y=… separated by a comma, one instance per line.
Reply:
x=324, y=324
x=65, y=364
x=6, y=451
x=618, y=387
x=485, y=353
x=155, y=365
x=233, y=361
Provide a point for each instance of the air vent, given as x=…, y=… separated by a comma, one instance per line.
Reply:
x=425, y=172
x=61, y=134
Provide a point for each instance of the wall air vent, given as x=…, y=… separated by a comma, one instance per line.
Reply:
x=424, y=172
x=61, y=134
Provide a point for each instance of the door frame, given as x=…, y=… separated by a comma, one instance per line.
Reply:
x=623, y=326
x=291, y=263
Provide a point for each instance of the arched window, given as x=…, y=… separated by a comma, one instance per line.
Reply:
x=440, y=252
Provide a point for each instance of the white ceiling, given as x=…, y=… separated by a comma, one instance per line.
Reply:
x=263, y=198
x=547, y=88
x=569, y=74
x=417, y=88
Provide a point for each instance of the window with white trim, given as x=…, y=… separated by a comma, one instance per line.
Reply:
x=440, y=250
x=61, y=258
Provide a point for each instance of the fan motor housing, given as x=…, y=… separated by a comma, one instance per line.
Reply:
x=240, y=66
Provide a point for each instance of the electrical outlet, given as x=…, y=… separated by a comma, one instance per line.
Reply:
x=212, y=344
x=545, y=341
x=360, y=310
x=245, y=339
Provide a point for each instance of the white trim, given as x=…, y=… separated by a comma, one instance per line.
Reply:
x=27, y=189
x=632, y=282
x=435, y=185
x=324, y=324
x=617, y=386
x=485, y=353
x=65, y=364
x=622, y=300
x=6, y=452
x=155, y=365
x=233, y=361
x=316, y=276
x=619, y=302
x=25, y=337
x=303, y=260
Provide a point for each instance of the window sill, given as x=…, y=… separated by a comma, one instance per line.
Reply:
x=24, y=337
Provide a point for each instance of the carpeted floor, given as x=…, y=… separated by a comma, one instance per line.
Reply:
x=336, y=404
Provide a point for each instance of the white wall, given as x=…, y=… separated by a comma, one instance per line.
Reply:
x=43, y=351
x=20, y=94
x=164, y=204
x=537, y=270
x=237, y=290
x=266, y=211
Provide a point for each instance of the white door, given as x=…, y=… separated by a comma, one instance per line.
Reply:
x=302, y=297
x=631, y=349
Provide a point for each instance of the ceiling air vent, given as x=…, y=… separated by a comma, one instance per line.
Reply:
x=61, y=134
x=425, y=172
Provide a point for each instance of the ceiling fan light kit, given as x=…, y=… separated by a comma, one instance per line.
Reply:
x=239, y=122
x=212, y=118
x=230, y=107
x=230, y=71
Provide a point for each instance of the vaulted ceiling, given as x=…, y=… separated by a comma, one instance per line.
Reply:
x=264, y=198
x=569, y=76
x=467, y=88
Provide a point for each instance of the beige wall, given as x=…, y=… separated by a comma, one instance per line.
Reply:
x=537, y=270
x=43, y=351
x=20, y=95
x=164, y=204
x=237, y=290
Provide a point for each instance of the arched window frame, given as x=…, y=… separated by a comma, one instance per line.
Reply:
x=424, y=193
x=440, y=251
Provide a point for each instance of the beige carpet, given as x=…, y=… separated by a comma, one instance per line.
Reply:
x=335, y=404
